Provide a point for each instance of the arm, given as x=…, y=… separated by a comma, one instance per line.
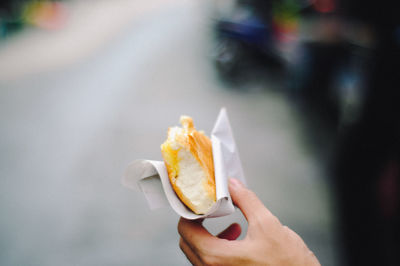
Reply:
x=267, y=242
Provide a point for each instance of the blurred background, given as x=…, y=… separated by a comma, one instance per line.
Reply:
x=88, y=86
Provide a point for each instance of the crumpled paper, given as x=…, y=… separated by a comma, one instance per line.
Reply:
x=151, y=177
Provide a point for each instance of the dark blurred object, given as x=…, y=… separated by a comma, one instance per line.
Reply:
x=352, y=86
x=45, y=14
x=314, y=79
x=251, y=37
x=345, y=74
x=11, y=7
x=366, y=169
x=327, y=81
x=242, y=40
x=10, y=11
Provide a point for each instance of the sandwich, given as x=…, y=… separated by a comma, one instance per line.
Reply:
x=187, y=154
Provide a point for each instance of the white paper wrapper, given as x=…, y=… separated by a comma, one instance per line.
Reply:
x=151, y=177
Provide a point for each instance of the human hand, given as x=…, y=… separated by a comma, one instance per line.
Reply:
x=267, y=242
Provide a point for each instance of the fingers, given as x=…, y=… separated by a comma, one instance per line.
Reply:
x=231, y=233
x=190, y=255
x=202, y=248
x=195, y=235
x=246, y=200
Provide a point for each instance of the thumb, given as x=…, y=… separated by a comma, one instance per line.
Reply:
x=246, y=200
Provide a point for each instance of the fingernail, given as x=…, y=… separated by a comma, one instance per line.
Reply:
x=235, y=183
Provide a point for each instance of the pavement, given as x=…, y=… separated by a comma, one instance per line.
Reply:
x=70, y=129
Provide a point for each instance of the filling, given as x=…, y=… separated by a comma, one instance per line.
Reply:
x=187, y=173
x=191, y=181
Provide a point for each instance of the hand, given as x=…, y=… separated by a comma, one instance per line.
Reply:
x=267, y=242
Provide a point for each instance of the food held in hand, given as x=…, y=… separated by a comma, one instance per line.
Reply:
x=188, y=157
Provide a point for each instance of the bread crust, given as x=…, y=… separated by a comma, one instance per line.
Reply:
x=200, y=147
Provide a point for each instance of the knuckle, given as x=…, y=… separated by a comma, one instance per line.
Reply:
x=181, y=244
x=271, y=218
x=204, y=254
x=213, y=256
x=210, y=261
x=290, y=232
x=248, y=193
x=180, y=227
x=202, y=248
x=275, y=220
x=258, y=221
x=261, y=216
x=287, y=231
x=242, y=192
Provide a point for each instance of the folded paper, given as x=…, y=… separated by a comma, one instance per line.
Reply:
x=151, y=177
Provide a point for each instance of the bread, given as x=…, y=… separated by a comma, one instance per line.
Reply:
x=188, y=158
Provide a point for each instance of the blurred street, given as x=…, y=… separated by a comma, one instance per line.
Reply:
x=69, y=131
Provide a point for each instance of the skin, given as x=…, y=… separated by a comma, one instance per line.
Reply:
x=267, y=242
